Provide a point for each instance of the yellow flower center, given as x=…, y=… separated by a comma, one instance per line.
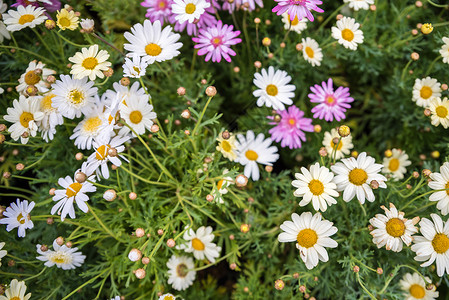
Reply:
x=102, y=152
x=316, y=187
x=90, y=63
x=26, y=19
x=21, y=219
x=181, y=270
x=251, y=155
x=153, y=49
x=272, y=90
x=347, y=34
x=31, y=78
x=92, y=124
x=15, y=298
x=358, y=176
x=190, y=8
x=60, y=258
x=197, y=244
x=417, y=291
x=310, y=53
x=76, y=96
x=307, y=238
x=292, y=122
x=135, y=117
x=295, y=20
x=447, y=188
x=426, y=92
x=220, y=184
x=136, y=69
x=216, y=41
x=330, y=100
x=25, y=118
x=395, y=227
x=393, y=165
x=440, y=243
x=73, y=189
x=162, y=4
x=441, y=111
x=340, y=145
x=64, y=22
x=46, y=102
x=169, y=297
x=226, y=146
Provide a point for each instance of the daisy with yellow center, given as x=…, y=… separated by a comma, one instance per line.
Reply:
x=312, y=52
x=17, y=215
x=67, y=20
x=167, y=297
x=189, y=10
x=353, y=177
x=221, y=187
x=315, y=185
x=134, y=68
x=439, y=109
x=2, y=252
x=312, y=236
x=35, y=75
x=440, y=183
x=415, y=288
x=63, y=257
x=25, y=16
x=138, y=114
x=433, y=244
x=200, y=244
x=90, y=63
x=347, y=33
x=425, y=90
x=227, y=147
x=359, y=4
x=396, y=164
x=295, y=25
x=444, y=51
x=180, y=271
x=16, y=291
x=337, y=150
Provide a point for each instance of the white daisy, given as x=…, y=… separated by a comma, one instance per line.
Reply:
x=62, y=256
x=189, y=10
x=392, y=229
x=359, y=4
x=120, y=93
x=73, y=96
x=396, y=164
x=252, y=150
x=51, y=119
x=444, y=51
x=18, y=216
x=440, y=181
x=28, y=16
x=134, y=68
x=312, y=52
x=4, y=33
x=315, y=185
x=353, y=177
x=295, y=25
x=35, y=78
x=72, y=191
x=424, y=90
x=16, y=291
x=221, y=188
x=311, y=235
x=180, y=271
x=2, y=252
x=434, y=244
x=138, y=114
x=439, y=109
x=200, y=243
x=227, y=147
x=25, y=114
x=167, y=296
x=414, y=288
x=90, y=63
x=348, y=33
x=152, y=43
x=343, y=148
x=274, y=90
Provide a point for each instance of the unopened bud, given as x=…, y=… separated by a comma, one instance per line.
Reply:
x=109, y=72
x=317, y=128
x=140, y=273
x=185, y=114
x=374, y=184
x=181, y=91
x=426, y=172
x=154, y=128
x=388, y=153
x=244, y=228
x=323, y=152
x=266, y=41
x=145, y=260
x=344, y=130
x=80, y=177
x=435, y=154
x=69, y=244
x=132, y=196
x=356, y=269
x=279, y=284
x=241, y=180
x=79, y=156
x=110, y=195
x=414, y=56
x=171, y=243
x=50, y=24
x=50, y=221
x=60, y=240
x=44, y=248
x=112, y=152
x=135, y=254
x=211, y=91
x=379, y=271
x=426, y=28
x=124, y=81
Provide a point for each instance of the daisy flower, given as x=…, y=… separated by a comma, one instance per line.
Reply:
x=252, y=150
x=188, y=10
x=338, y=151
x=332, y=104
x=120, y=93
x=396, y=164
x=25, y=114
x=434, y=244
x=312, y=52
x=439, y=112
x=89, y=63
x=134, y=68
x=231, y=7
x=28, y=16
x=311, y=235
x=200, y=243
x=424, y=90
x=167, y=297
x=444, y=51
x=392, y=229
x=51, y=119
x=222, y=186
x=16, y=291
x=152, y=43
x=440, y=183
x=290, y=127
x=138, y=114
x=300, y=9
x=18, y=216
x=315, y=185
x=359, y=4
x=206, y=20
x=227, y=147
x=353, y=177
x=158, y=9
x=36, y=75
x=178, y=270
x=72, y=191
x=4, y=33
x=73, y=96
x=348, y=33
x=216, y=42
x=414, y=287
x=63, y=257
x=67, y=19
x=88, y=25
x=49, y=5
x=274, y=90
x=2, y=252
x=294, y=25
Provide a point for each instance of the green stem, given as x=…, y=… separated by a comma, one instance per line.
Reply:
x=331, y=16
x=437, y=5
x=84, y=284
x=70, y=42
x=364, y=288
x=432, y=64
x=201, y=116
x=143, y=179
x=101, y=223
x=37, y=275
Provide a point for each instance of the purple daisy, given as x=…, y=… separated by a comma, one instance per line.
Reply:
x=216, y=42
x=298, y=8
x=290, y=129
x=158, y=10
x=333, y=104
x=249, y=5
x=207, y=19
x=49, y=5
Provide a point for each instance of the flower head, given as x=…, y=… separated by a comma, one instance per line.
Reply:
x=359, y=4
x=89, y=63
x=63, y=257
x=31, y=77
x=158, y=9
x=18, y=216
x=396, y=164
x=295, y=25
x=16, y=291
x=425, y=90
x=444, y=51
x=180, y=271
x=134, y=68
x=25, y=16
x=67, y=20
x=439, y=109
x=298, y=8
x=200, y=243
x=2, y=252
x=312, y=52
x=188, y=10
x=340, y=149
x=273, y=88
x=414, y=287
x=440, y=183
x=347, y=33
x=227, y=147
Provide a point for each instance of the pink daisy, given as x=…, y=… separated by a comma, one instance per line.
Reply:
x=333, y=104
x=298, y=8
x=158, y=10
x=290, y=129
x=240, y=4
x=216, y=42
x=206, y=20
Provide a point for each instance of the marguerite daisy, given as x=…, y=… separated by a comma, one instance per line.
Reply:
x=167, y=297
x=312, y=52
x=396, y=164
x=67, y=19
x=444, y=51
x=16, y=291
x=36, y=75
x=188, y=10
x=359, y=4
x=439, y=109
x=440, y=183
x=200, y=243
x=347, y=33
x=138, y=114
x=4, y=33
x=2, y=252
x=158, y=9
x=337, y=151
x=221, y=188
x=62, y=256
x=415, y=288
x=311, y=235
x=228, y=146
x=274, y=90
x=28, y=16
x=51, y=119
x=120, y=93
x=300, y=9
x=89, y=63
x=18, y=216
x=424, y=90
x=294, y=25
x=180, y=271
x=134, y=68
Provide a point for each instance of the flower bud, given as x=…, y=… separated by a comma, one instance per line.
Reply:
x=209, y=198
x=124, y=81
x=50, y=221
x=279, y=284
x=414, y=56
x=160, y=231
x=244, y=228
x=344, y=130
x=50, y=24
x=426, y=173
x=323, y=152
x=132, y=196
x=317, y=128
x=257, y=64
x=60, y=240
x=135, y=254
x=44, y=248
x=140, y=273
x=110, y=195
x=356, y=269
x=87, y=25
x=266, y=41
x=379, y=271
x=374, y=184
x=388, y=153
x=145, y=260
x=6, y=175
x=154, y=128
x=80, y=177
x=112, y=152
x=185, y=114
x=171, y=243
x=241, y=180
x=426, y=28
x=181, y=91
x=435, y=154
x=211, y=91
x=256, y=20
x=79, y=156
